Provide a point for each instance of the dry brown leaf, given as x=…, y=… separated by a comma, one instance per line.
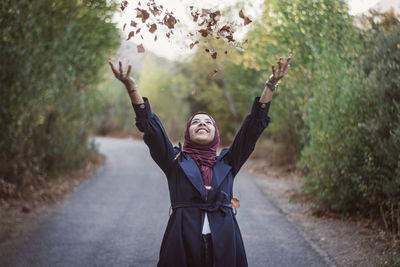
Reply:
x=247, y=21
x=143, y=14
x=235, y=203
x=140, y=48
x=131, y=34
x=193, y=44
x=214, y=73
x=211, y=52
x=203, y=32
x=124, y=4
x=170, y=20
x=241, y=14
x=138, y=30
x=153, y=28
x=123, y=28
x=133, y=23
x=155, y=38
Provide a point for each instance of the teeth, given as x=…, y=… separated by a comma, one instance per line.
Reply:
x=202, y=131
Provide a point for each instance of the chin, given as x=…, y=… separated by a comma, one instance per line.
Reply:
x=202, y=141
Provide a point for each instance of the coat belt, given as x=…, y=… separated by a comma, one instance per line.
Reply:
x=209, y=207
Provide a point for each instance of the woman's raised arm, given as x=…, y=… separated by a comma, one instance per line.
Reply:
x=154, y=135
x=256, y=121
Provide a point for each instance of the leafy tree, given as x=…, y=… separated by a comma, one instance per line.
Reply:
x=51, y=52
x=322, y=37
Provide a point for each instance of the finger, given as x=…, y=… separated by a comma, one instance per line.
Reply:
x=113, y=68
x=288, y=59
x=129, y=71
x=286, y=69
x=273, y=70
x=120, y=68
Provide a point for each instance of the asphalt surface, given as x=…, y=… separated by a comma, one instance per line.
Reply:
x=118, y=217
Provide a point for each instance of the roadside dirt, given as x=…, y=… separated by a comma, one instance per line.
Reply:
x=348, y=242
x=38, y=198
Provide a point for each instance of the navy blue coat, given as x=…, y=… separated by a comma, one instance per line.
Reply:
x=181, y=245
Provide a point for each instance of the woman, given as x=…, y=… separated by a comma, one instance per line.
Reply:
x=202, y=229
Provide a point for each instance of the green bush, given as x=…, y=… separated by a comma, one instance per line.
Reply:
x=51, y=52
x=352, y=164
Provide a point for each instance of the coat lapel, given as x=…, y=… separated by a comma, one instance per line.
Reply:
x=220, y=169
x=192, y=172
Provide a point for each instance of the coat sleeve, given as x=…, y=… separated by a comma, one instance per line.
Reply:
x=161, y=149
x=245, y=140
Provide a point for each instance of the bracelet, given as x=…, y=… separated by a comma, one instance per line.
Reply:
x=271, y=86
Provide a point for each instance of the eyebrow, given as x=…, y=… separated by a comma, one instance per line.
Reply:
x=199, y=119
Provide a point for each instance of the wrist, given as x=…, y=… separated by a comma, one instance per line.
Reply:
x=131, y=88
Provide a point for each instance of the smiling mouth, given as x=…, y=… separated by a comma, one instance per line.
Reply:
x=202, y=129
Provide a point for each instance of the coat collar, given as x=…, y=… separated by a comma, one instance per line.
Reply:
x=192, y=172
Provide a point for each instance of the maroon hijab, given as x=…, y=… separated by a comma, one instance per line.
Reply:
x=203, y=155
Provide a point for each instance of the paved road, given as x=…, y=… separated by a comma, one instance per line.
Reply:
x=118, y=218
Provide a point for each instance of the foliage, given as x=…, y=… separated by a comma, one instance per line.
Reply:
x=51, y=52
x=320, y=36
x=352, y=162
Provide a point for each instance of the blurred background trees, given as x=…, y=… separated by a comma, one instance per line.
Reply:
x=50, y=57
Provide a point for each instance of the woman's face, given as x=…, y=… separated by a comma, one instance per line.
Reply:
x=201, y=129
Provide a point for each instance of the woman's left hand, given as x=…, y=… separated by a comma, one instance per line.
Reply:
x=283, y=67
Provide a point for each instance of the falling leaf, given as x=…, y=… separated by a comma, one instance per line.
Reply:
x=205, y=12
x=141, y=36
x=247, y=21
x=153, y=28
x=131, y=34
x=214, y=73
x=203, y=32
x=245, y=42
x=195, y=16
x=140, y=48
x=139, y=3
x=235, y=203
x=168, y=35
x=193, y=44
x=138, y=30
x=143, y=14
x=133, y=24
x=241, y=14
x=212, y=53
x=123, y=28
x=124, y=4
x=215, y=16
x=170, y=20
x=155, y=38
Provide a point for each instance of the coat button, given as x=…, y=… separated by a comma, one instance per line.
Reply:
x=263, y=105
x=142, y=106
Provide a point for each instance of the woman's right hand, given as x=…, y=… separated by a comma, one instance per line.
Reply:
x=125, y=78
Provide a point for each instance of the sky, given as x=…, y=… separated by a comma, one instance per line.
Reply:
x=176, y=48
